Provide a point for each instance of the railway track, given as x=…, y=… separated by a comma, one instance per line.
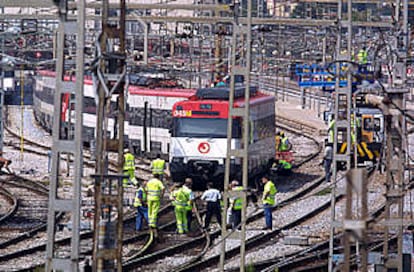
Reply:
x=28, y=214
x=179, y=244
x=30, y=146
x=29, y=244
x=177, y=260
x=316, y=257
x=157, y=250
x=7, y=210
x=260, y=240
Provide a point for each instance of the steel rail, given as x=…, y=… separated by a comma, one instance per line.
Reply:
x=306, y=255
x=30, y=233
x=204, y=238
x=66, y=240
x=46, y=147
x=262, y=237
x=259, y=239
x=203, y=251
x=13, y=201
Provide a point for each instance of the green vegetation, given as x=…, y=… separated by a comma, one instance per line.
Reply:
x=323, y=192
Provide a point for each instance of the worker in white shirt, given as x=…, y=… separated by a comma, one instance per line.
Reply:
x=212, y=197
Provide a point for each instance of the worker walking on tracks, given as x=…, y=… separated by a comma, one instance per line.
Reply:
x=155, y=191
x=180, y=198
x=268, y=200
x=327, y=160
x=129, y=168
x=188, y=183
x=158, y=167
x=212, y=197
x=236, y=204
x=140, y=202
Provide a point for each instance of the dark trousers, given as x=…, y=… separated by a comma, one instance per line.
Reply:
x=213, y=208
x=142, y=212
x=327, y=166
x=268, y=215
x=236, y=219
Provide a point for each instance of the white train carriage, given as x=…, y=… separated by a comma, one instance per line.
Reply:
x=148, y=113
x=149, y=118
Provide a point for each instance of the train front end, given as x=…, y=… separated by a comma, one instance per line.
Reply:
x=199, y=142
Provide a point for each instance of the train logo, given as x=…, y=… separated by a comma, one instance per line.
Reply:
x=203, y=147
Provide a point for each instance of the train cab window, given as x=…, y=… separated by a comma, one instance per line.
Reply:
x=206, y=106
x=368, y=124
x=204, y=127
x=377, y=124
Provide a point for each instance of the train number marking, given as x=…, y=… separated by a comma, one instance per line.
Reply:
x=182, y=113
x=204, y=148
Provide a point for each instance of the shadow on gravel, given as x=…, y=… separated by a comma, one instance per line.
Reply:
x=292, y=181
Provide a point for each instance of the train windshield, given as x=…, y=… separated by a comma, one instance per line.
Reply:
x=372, y=124
x=204, y=127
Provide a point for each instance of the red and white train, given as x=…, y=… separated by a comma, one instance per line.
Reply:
x=199, y=135
x=148, y=113
x=178, y=123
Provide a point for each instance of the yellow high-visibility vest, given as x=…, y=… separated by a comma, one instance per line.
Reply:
x=158, y=166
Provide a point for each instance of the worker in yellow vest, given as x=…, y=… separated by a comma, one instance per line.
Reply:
x=331, y=129
x=188, y=183
x=180, y=198
x=362, y=56
x=158, y=167
x=155, y=191
x=284, y=142
x=268, y=200
x=236, y=204
x=129, y=168
x=282, y=167
x=140, y=202
x=278, y=140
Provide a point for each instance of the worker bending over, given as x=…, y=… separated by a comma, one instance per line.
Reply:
x=180, y=198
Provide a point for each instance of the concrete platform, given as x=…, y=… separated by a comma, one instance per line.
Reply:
x=306, y=120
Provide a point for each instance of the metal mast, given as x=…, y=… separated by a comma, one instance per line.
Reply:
x=343, y=104
x=1, y=117
x=109, y=75
x=67, y=140
x=395, y=131
x=241, y=41
x=2, y=97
